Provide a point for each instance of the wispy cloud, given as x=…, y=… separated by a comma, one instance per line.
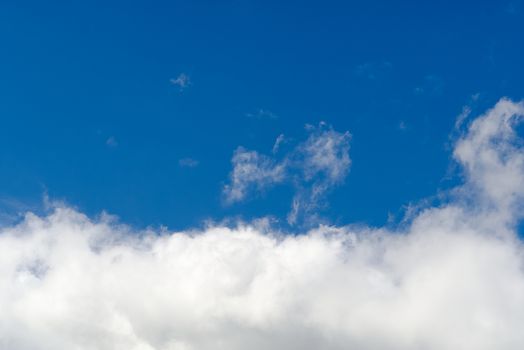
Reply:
x=373, y=70
x=323, y=161
x=252, y=172
x=13, y=210
x=432, y=85
x=262, y=114
x=313, y=167
x=188, y=162
x=278, y=142
x=111, y=141
x=467, y=109
x=182, y=81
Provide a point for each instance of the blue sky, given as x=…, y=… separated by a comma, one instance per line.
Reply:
x=278, y=175
x=92, y=112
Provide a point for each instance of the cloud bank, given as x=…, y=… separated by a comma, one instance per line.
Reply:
x=452, y=279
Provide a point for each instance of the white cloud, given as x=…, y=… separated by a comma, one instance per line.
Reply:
x=182, y=81
x=466, y=111
x=313, y=167
x=251, y=170
x=326, y=152
x=452, y=279
x=491, y=155
x=461, y=118
x=278, y=142
x=324, y=162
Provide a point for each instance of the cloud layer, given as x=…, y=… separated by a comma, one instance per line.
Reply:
x=452, y=279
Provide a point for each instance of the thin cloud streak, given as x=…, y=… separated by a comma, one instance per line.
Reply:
x=188, y=163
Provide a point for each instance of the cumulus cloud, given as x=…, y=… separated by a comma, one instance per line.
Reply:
x=451, y=279
x=313, y=167
x=492, y=156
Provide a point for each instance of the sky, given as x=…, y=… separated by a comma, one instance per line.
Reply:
x=136, y=108
x=180, y=175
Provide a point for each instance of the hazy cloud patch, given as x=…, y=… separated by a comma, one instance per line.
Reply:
x=188, y=163
x=111, y=141
x=182, y=81
x=262, y=114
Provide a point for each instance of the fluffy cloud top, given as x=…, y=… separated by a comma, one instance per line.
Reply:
x=452, y=279
x=493, y=158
